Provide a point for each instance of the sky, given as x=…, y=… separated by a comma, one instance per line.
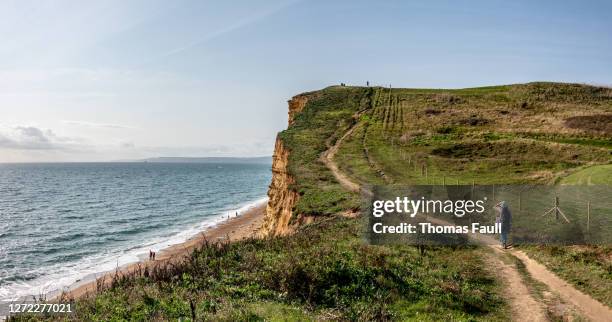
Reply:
x=130, y=79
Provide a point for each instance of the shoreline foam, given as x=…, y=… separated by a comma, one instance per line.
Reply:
x=245, y=225
x=77, y=277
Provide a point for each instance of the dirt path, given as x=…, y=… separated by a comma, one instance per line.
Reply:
x=524, y=306
x=585, y=304
x=519, y=294
x=328, y=158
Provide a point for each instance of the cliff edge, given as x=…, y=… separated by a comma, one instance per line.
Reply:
x=282, y=198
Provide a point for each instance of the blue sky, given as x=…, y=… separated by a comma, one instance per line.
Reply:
x=111, y=80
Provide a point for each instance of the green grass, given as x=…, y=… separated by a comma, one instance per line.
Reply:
x=503, y=135
x=323, y=119
x=596, y=142
x=351, y=159
x=500, y=134
x=515, y=134
x=322, y=271
x=601, y=174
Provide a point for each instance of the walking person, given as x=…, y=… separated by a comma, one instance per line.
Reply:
x=505, y=220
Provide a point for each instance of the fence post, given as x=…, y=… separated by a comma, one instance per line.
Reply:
x=444, y=181
x=556, y=207
x=588, y=216
x=473, y=182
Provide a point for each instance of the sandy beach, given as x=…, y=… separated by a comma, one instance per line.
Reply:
x=236, y=228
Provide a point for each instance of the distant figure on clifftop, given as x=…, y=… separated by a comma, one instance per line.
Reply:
x=505, y=219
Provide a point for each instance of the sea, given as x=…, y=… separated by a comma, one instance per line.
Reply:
x=64, y=223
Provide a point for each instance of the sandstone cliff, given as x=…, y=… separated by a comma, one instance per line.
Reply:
x=296, y=105
x=282, y=198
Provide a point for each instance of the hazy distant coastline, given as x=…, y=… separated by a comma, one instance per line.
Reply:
x=251, y=160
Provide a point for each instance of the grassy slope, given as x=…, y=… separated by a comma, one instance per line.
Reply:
x=322, y=121
x=599, y=174
x=503, y=134
x=324, y=271
x=506, y=134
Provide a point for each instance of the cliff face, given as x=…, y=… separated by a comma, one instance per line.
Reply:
x=296, y=105
x=282, y=198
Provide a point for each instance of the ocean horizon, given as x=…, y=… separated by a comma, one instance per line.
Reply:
x=66, y=223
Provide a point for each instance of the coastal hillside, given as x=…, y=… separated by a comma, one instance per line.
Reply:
x=535, y=133
x=542, y=133
x=312, y=264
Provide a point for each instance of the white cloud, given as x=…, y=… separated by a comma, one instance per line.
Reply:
x=29, y=143
x=127, y=145
x=34, y=138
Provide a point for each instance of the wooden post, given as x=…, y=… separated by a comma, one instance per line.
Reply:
x=457, y=181
x=444, y=181
x=473, y=188
x=588, y=216
x=556, y=207
x=422, y=170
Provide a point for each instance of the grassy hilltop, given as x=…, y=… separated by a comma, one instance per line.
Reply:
x=527, y=133
x=544, y=133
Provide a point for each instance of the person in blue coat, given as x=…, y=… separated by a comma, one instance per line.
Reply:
x=505, y=219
